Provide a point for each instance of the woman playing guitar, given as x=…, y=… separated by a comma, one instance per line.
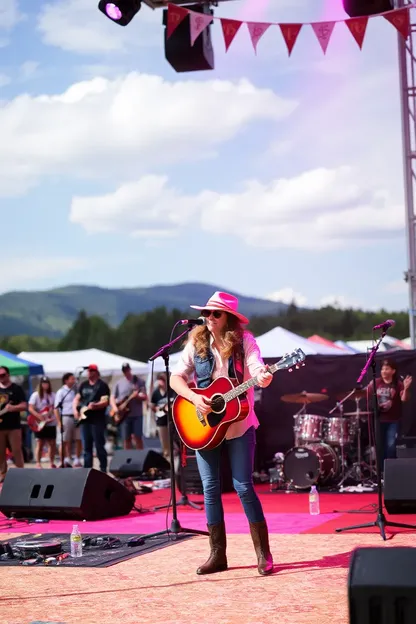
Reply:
x=221, y=347
x=41, y=407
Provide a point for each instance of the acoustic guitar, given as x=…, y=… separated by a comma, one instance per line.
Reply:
x=37, y=425
x=198, y=431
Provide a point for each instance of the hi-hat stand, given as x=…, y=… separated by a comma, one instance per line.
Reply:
x=175, y=526
x=380, y=521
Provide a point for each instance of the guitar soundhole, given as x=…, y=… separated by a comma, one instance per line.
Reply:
x=217, y=403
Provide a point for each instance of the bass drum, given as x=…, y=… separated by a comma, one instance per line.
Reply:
x=310, y=465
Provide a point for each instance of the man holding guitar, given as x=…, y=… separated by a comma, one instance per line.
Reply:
x=12, y=402
x=223, y=348
x=126, y=402
x=89, y=408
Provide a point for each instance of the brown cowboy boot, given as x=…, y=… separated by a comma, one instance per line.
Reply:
x=217, y=561
x=260, y=537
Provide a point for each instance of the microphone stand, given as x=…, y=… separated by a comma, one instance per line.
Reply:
x=175, y=526
x=380, y=521
x=59, y=407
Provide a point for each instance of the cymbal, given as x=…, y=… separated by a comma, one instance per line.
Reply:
x=359, y=413
x=358, y=393
x=304, y=397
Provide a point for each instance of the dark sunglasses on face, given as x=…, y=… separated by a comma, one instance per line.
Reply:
x=215, y=313
x=3, y=375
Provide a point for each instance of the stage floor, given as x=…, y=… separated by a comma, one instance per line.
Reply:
x=309, y=585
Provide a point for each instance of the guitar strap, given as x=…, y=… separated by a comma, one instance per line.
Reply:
x=238, y=362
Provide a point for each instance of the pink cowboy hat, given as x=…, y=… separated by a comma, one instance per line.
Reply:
x=224, y=302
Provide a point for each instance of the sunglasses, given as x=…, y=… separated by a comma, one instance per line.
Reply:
x=215, y=313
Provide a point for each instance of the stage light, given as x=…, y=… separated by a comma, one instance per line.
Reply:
x=359, y=8
x=121, y=11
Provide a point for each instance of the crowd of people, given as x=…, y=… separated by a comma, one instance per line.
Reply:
x=75, y=423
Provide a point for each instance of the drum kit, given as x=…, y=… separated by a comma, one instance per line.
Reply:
x=328, y=449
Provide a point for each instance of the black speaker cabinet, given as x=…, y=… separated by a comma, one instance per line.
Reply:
x=137, y=462
x=63, y=494
x=178, y=50
x=358, y=8
x=400, y=485
x=382, y=586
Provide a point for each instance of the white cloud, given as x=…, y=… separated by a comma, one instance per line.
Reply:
x=124, y=127
x=319, y=210
x=24, y=270
x=287, y=295
x=339, y=301
x=10, y=14
x=78, y=26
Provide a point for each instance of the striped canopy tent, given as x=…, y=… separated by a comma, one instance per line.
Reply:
x=18, y=366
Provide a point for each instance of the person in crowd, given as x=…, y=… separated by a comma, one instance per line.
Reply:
x=131, y=419
x=391, y=393
x=41, y=406
x=91, y=401
x=159, y=403
x=223, y=347
x=12, y=402
x=64, y=413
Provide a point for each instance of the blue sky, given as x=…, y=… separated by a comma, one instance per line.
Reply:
x=286, y=173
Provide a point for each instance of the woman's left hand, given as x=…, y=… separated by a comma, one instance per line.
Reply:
x=407, y=382
x=264, y=378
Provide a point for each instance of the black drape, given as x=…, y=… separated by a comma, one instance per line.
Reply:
x=324, y=374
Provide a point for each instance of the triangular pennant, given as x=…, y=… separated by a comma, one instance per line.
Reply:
x=401, y=20
x=198, y=22
x=256, y=30
x=175, y=16
x=290, y=34
x=358, y=27
x=323, y=32
x=230, y=28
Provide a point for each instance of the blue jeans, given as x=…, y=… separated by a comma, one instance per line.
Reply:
x=241, y=456
x=388, y=433
x=132, y=426
x=94, y=433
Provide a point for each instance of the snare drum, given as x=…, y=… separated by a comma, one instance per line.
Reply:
x=309, y=465
x=339, y=431
x=309, y=428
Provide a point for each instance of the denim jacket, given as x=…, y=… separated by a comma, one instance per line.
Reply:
x=204, y=367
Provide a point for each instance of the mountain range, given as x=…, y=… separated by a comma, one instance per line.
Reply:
x=51, y=312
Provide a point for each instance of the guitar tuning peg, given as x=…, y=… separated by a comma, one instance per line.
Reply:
x=297, y=366
x=303, y=363
x=290, y=370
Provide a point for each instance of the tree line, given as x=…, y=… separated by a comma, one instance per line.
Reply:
x=141, y=335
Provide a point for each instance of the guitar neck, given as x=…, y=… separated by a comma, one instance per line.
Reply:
x=235, y=392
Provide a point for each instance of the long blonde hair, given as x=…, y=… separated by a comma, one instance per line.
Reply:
x=233, y=336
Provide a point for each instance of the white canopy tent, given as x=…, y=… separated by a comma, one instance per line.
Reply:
x=57, y=363
x=279, y=341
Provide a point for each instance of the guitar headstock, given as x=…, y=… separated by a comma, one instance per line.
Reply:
x=289, y=361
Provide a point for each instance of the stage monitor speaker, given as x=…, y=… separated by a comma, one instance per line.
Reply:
x=136, y=462
x=178, y=50
x=78, y=494
x=382, y=586
x=400, y=486
x=359, y=8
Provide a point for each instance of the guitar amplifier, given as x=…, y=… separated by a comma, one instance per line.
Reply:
x=189, y=481
x=406, y=447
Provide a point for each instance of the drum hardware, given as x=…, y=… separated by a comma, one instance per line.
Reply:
x=304, y=397
x=308, y=427
x=312, y=464
x=357, y=468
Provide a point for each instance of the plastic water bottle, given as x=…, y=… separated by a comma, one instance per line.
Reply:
x=76, y=542
x=314, y=501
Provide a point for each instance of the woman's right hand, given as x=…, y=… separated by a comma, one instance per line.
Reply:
x=202, y=404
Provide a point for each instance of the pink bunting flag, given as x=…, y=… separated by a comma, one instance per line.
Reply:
x=230, y=28
x=256, y=30
x=358, y=26
x=175, y=16
x=290, y=34
x=323, y=32
x=198, y=23
x=401, y=20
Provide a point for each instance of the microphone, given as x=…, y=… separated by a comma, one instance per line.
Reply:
x=199, y=321
x=386, y=325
